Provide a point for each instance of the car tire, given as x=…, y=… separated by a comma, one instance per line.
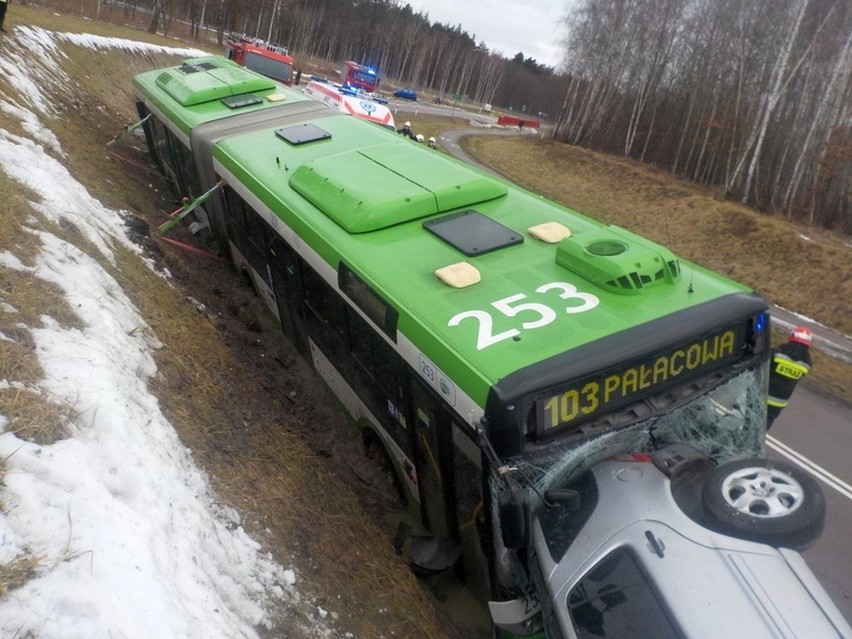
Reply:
x=763, y=500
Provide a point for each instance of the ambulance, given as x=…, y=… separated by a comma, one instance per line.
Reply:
x=350, y=101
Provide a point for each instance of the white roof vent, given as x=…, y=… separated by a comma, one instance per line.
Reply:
x=550, y=232
x=459, y=275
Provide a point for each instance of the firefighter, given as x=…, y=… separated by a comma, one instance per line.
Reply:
x=406, y=130
x=790, y=363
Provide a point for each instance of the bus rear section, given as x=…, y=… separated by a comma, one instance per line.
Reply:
x=481, y=338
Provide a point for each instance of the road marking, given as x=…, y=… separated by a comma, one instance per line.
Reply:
x=816, y=470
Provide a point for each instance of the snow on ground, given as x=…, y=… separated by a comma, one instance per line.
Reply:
x=132, y=541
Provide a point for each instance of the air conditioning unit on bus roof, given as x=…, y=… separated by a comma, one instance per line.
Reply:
x=618, y=260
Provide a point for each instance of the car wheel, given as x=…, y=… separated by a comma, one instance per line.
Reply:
x=763, y=500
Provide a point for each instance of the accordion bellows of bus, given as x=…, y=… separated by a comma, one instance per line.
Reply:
x=467, y=325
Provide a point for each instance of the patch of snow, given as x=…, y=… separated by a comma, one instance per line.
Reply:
x=132, y=542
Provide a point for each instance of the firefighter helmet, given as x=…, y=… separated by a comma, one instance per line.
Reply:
x=802, y=335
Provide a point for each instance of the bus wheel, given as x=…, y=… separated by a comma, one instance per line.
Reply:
x=767, y=501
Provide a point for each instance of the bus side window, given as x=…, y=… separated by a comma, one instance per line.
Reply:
x=187, y=174
x=148, y=128
x=171, y=156
x=160, y=142
x=285, y=268
x=325, y=313
x=250, y=233
x=381, y=373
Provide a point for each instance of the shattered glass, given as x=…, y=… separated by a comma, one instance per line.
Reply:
x=726, y=422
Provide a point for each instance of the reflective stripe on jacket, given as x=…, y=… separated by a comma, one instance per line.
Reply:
x=790, y=363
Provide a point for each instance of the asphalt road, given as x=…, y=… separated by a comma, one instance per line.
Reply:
x=814, y=432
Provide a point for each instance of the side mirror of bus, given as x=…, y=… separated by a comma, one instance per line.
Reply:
x=514, y=509
x=566, y=497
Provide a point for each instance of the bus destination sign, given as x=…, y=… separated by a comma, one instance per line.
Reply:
x=609, y=390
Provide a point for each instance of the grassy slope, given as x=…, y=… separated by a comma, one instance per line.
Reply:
x=247, y=438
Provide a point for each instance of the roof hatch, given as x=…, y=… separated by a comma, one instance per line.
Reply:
x=378, y=187
x=473, y=233
x=618, y=260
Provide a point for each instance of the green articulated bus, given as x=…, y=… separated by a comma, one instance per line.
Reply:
x=495, y=345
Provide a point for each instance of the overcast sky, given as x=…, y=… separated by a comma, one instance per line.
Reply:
x=506, y=26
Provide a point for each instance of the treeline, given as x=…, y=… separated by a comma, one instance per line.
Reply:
x=403, y=45
x=754, y=96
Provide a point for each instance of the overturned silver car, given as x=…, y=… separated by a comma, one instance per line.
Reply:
x=683, y=548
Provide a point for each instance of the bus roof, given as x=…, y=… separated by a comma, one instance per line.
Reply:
x=525, y=279
x=201, y=90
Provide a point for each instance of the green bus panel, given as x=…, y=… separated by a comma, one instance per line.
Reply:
x=361, y=194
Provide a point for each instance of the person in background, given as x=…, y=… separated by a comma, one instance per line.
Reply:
x=433, y=144
x=406, y=130
x=419, y=137
x=790, y=362
x=3, y=6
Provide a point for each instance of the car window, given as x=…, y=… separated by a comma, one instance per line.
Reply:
x=614, y=599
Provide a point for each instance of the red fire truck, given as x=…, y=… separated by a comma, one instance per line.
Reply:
x=360, y=76
x=264, y=58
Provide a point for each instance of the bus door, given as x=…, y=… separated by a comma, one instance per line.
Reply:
x=284, y=269
x=471, y=517
x=434, y=468
x=449, y=468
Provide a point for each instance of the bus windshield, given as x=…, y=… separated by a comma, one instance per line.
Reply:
x=726, y=419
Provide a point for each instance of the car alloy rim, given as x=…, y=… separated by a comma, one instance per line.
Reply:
x=762, y=492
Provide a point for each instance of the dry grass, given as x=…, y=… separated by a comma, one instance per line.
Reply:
x=31, y=414
x=16, y=573
x=431, y=125
x=34, y=417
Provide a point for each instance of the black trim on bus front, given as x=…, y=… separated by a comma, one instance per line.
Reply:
x=509, y=401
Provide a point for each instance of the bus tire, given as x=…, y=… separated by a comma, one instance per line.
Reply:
x=763, y=500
